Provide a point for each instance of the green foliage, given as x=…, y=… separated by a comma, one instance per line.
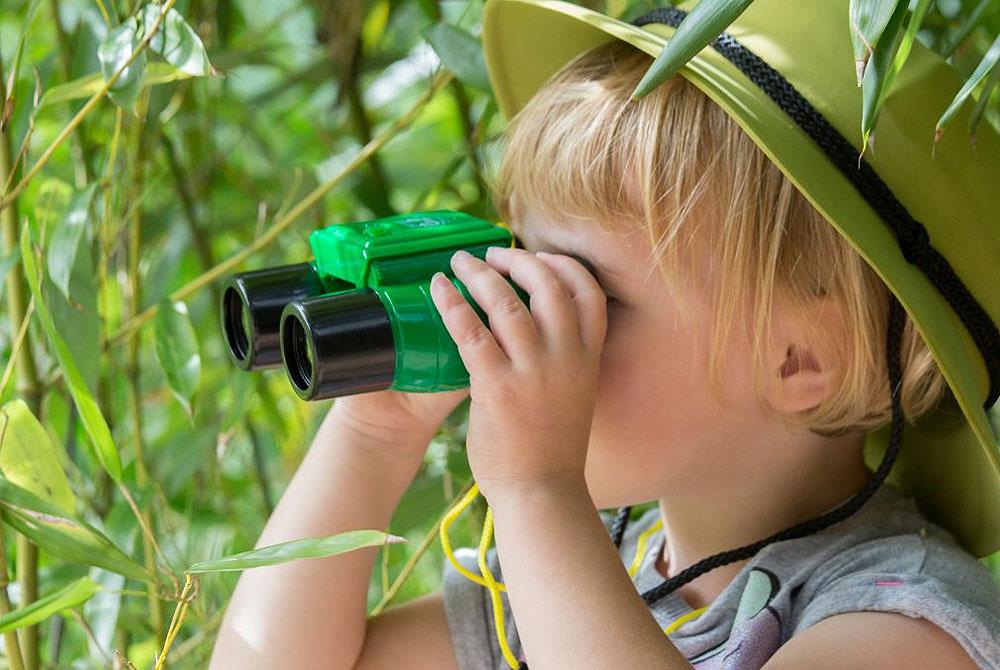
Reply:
x=137, y=169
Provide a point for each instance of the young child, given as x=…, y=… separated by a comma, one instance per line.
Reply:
x=698, y=334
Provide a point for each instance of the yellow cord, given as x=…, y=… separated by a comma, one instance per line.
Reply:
x=491, y=584
x=640, y=547
x=487, y=580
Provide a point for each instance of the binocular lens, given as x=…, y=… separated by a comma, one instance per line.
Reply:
x=252, y=303
x=338, y=344
x=298, y=359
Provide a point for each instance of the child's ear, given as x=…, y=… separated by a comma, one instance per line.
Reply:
x=803, y=366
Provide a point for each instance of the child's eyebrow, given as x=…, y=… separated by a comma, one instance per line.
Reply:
x=604, y=277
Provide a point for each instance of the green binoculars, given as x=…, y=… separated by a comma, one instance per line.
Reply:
x=359, y=317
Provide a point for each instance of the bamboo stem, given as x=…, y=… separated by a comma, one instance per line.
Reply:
x=145, y=516
x=10, y=637
x=28, y=387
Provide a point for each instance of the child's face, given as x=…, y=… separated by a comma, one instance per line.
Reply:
x=656, y=426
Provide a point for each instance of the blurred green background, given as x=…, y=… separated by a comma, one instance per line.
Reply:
x=233, y=133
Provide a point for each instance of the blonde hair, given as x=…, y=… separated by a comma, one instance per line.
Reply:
x=676, y=161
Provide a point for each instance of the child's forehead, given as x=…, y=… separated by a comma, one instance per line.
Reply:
x=614, y=256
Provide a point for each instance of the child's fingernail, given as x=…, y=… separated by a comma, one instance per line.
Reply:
x=438, y=279
x=462, y=255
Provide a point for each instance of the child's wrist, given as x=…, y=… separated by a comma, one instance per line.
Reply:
x=385, y=445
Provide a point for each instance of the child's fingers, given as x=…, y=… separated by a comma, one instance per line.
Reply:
x=590, y=299
x=509, y=319
x=475, y=343
x=552, y=306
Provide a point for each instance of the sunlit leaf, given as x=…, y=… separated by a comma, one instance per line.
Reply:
x=67, y=597
x=30, y=459
x=873, y=83
x=84, y=87
x=981, y=71
x=318, y=547
x=460, y=52
x=912, y=27
x=869, y=19
x=90, y=412
x=114, y=52
x=177, y=350
x=65, y=239
x=63, y=534
x=706, y=21
x=176, y=42
x=375, y=22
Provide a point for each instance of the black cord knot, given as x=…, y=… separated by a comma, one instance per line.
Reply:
x=915, y=243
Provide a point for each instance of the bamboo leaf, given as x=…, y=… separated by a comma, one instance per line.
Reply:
x=65, y=242
x=30, y=459
x=460, y=52
x=177, y=43
x=86, y=86
x=912, y=27
x=114, y=52
x=7, y=108
x=873, y=83
x=90, y=413
x=869, y=19
x=982, y=9
x=706, y=21
x=177, y=350
x=984, y=97
x=67, y=597
x=985, y=65
x=317, y=547
x=63, y=534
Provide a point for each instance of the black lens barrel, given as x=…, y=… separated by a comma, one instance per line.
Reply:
x=252, y=303
x=338, y=344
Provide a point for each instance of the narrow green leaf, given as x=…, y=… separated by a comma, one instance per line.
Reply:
x=177, y=350
x=67, y=597
x=869, y=19
x=7, y=108
x=176, y=42
x=86, y=86
x=460, y=52
x=63, y=534
x=912, y=28
x=985, y=65
x=30, y=459
x=65, y=240
x=954, y=39
x=90, y=412
x=984, y=97
x=317, y=547
x=873, y=83
x=706, y=21
x=114, y=52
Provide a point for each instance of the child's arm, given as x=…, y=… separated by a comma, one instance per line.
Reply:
x=553, y=546
x=311, y=613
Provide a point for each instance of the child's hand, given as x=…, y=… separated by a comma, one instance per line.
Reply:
x=534, y=377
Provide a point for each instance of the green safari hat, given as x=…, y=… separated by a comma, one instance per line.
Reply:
x=927, y=223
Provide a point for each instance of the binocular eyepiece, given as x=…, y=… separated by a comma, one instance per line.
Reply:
x=360, y=316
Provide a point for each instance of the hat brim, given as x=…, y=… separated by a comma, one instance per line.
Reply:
x=949, y=459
